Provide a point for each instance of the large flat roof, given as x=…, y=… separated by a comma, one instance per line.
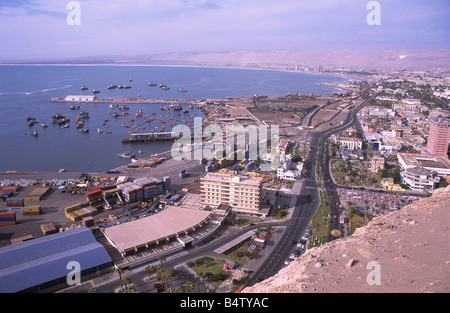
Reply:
x=170, y=221
x=36, y=262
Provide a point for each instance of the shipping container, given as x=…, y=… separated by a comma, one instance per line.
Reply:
x=14, y=203
x=94, y=196
x=32, y=210
x=7, y=218
x=88, y=221
x=48, y=229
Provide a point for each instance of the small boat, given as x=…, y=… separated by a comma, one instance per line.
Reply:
x=126, y=155
x=112, y=86
x=44, y=125
x=140, y=151
x=99, y=131
x=182, y=90
x=74, y=107
x=84, y=88
x=96, y=91
x=34, y=133
x=151, y=84
x=65, y=126
x=62, y=170
x=84, y=130
x=112, y=105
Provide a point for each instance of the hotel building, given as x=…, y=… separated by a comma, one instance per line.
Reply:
x=241, y=193
x=439, y=136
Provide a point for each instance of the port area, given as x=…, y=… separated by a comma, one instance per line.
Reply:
x=55, y=201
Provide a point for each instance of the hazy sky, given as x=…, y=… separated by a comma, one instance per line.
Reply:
x=39, y=28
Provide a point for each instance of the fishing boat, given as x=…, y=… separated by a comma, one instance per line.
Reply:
x=83, y=130
x=126, y=155
x=84, y=88
x=44, y=125
x=96, y=91
x=112, y=86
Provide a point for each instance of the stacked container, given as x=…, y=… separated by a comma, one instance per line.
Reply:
x=166, y=183
x=148, y=186
x=37, y=194
x=7, y=219
x=131, y=192
x=32, y=210
x=94, y=196
x=14, y=205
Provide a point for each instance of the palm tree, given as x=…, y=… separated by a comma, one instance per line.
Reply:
x=188, y=286
x=126, y=281
x=150, y=270
x=198, y=277
x=169, y=277
x=179, y=289
x=161, y=259
x=119, y=271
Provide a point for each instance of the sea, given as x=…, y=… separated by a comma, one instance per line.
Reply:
x=26, y=91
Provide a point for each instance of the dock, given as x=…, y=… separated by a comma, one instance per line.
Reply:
x=94, y=99
x=149, y=137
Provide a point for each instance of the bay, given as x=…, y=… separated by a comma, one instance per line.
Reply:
x=26, y=90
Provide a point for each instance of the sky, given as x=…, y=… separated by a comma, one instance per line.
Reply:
x=40, y=28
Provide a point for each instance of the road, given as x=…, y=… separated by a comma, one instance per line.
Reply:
x=309, y=199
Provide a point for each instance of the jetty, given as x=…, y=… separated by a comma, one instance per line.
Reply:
x=149, y=137
x=94, y=99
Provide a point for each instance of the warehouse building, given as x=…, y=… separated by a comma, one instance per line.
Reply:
x=42, y=263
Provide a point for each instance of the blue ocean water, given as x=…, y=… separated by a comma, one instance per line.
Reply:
x=26, y=90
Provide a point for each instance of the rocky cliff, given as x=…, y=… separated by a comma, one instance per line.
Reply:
x=403, y=251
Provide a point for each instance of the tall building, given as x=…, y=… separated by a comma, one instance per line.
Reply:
x=240, y=192
x=439, y=136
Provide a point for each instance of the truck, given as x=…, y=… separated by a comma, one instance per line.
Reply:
x=249, y=165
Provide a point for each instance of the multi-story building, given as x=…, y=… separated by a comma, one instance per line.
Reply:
x=242, y=193
x=350, y=143
x=420, y=179
x=439, y=136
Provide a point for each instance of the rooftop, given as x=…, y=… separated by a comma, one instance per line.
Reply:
x=171, y=221
x=40, y=261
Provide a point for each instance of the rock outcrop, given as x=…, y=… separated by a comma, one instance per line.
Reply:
x=403, y=251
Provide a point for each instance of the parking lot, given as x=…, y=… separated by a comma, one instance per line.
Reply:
x=374, y=200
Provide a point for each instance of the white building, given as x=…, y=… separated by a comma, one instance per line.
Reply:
x=420, y=179
x=350, y=143
x=79, y=98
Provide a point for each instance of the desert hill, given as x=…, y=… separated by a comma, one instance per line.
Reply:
x=410, y=246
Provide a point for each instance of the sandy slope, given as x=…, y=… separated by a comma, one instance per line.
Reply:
x=411, y=247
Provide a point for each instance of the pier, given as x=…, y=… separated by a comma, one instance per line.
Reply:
x=149, y=137
x=94, y=99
